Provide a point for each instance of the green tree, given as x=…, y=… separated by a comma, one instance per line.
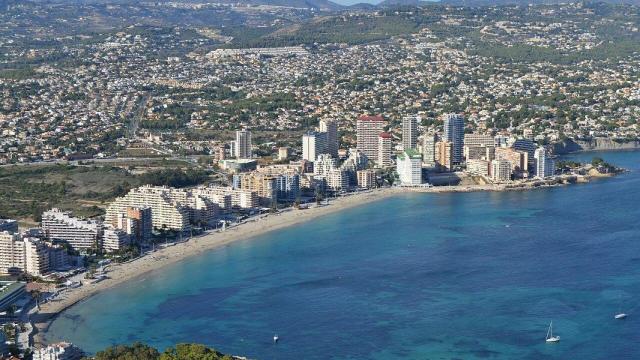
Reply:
x=192, y=352
x=136, y=351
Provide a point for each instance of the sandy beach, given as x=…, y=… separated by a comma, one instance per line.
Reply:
x=119, y=273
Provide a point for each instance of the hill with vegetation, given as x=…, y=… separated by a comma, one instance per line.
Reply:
x=139, y=351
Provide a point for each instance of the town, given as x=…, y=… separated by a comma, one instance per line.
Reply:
x=207, y=130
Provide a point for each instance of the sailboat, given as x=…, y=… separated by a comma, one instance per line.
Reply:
x=550, y=338
x=620, y=315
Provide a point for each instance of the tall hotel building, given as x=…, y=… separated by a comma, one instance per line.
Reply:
x=410, y=132
x=384, y=150
x=80, y=234
x=242, y=148
x=330, y=128
x=368, y=128
x=454, y=133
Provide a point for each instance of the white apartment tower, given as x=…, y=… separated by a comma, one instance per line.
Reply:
x=545, y=166
x=367, y=130
x=410, y=132
x=243, y=144
x=409, y=168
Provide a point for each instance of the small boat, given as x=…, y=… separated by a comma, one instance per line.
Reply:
x=620, y=316
x=550, y=338
x=275, y=338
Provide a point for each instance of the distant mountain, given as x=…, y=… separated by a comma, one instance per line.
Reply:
x=524, y=2
x=363, y=6
x=325, y=5
x=394, y=3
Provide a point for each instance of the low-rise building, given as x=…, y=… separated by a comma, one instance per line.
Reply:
x=58, y=351
x=8, y=225
x=478, y=167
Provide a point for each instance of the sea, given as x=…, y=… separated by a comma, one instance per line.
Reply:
x=415, y=276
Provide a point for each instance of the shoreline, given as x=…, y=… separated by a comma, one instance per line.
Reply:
x=121, y=273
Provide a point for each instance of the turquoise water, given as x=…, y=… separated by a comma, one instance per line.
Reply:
x=417, y=276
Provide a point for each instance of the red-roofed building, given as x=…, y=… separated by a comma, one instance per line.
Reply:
x=367, y=130
x=371, y=118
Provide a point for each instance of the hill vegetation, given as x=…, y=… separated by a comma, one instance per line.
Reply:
x=139, y=351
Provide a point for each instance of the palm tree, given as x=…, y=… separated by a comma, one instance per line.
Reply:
x=36, y=295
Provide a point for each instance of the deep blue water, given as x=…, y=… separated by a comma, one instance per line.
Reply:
x=416, y=276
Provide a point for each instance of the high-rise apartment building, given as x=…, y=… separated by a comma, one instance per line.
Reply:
x=240, y=199
x=80, y=234
x=545, y=166
x=114, y=239
x=324, y=164
x=444, y=155
x=429, y=149
x=243, y=144
x=314, y=143
x=410, y=132
x=28, y=255
x=272, y=186
x=384, y=150
x=136, y=222
x=454, y=133
x=518, y=159
x=366, y=179
x=172, y=209
x=409, y=167
x=529, y=147
x=500, y=170
x=368, y=128
x=337, y=180
x=11, y=253
x=477, y=140
x=330, y=128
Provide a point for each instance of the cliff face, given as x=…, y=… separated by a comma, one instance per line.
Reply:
x=568, y=146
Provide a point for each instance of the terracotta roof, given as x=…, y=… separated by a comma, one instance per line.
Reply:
x=385, y=135
x=371, y=118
